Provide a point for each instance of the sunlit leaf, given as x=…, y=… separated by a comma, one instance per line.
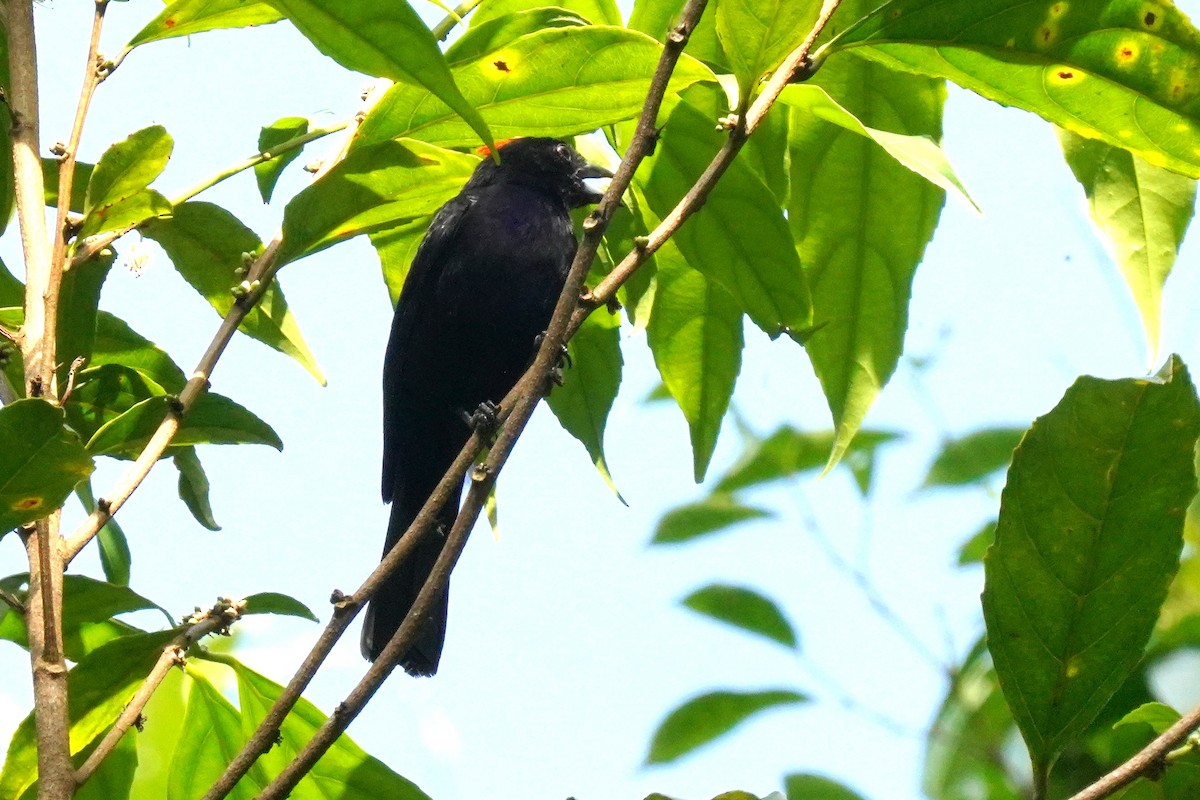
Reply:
x=710, y=515
x=972, y=458
x=117, y=197
x=817, y=787
x=193, y=486
x=496, y=32
x=187, y=17
x=744, y=608
x=267, y=173
x=214, y=419
x=40, y=463
x=1089, y=537
x=757, y=34
x=599, y=12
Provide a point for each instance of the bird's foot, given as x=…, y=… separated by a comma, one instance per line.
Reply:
x=564, y=355
x=484, y=419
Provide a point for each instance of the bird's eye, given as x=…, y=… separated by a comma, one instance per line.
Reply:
x=563, y=150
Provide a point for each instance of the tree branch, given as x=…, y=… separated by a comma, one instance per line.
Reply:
x=217, y=619
x=66, y=167
x=1151, y=757
x=443, y=28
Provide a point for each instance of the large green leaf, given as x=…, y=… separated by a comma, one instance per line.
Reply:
x=384, y=38
x=89, y=607
x=357, y=775
x=590, y=383
x=757, y=34
x=82, y=176
x=214, y=419
x=1142, y=212
x=710, y=716
x=104, y=393
x=117, y=343
x=555, y=82
x=78, y=303
x=860, y=253
x=100, y=687
x=599, y=12
x=658, y=17
x=186, y=17
x=1089, y=537
x=208, y=246
x=1123, y=71
x=373, y=189
x=117, y=194
x=741, y=239
x=497, y=32
x=744, y=608
x=40, y=461
x=210, y=737
x=695, y=334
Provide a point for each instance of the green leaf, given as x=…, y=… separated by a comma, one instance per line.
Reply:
x=921, y=153
x=396, y=248
x=741, y=240
x=695, y=334
x=78, y=302
x=860, y=253
x=115, y=558
x=1142, y=212
x=599, y=12
x=79, y=182
x=357, y=775
x=207, y=244
x=974, y=457
x=746, y=609
x=710, y=515
x=788, y=452
x=1159, y=716
x=975, y=548
x=210, y=737
x=384, y=38
x=276, y=603
x=100, y=687
x=590, y=383
x=104, y=393
x=496, y=32
x=757, y=34
x=556, y=82
x=373, y=189
x=710, y=716
x=117, y=197
x=267, y=173
x=815, y=787
x=117, y=343
x=1124, y=73
x=40, y=462
x=113, y=779
x=1089, y=537
x=193, y=486
x=186, y=17
x=12, y=291
x=89, y=609
x=214, y=419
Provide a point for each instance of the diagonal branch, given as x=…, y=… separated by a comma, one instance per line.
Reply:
x=1151, y=759
x=215, y=620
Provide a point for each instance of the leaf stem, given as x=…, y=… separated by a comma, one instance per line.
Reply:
x=1150, y=758
x=443, y=28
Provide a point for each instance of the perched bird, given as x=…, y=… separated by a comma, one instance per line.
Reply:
x=480, y=291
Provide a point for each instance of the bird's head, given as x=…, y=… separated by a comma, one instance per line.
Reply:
x=545, y=164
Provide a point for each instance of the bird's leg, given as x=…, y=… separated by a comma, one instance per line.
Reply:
x=483, y=420
x=556, y=372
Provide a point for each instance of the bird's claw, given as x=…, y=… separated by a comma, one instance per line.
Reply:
x=484, y=419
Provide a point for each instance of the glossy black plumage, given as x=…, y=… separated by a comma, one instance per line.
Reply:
x=481, y=289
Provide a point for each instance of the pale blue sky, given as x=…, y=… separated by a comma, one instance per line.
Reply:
x=566, y=642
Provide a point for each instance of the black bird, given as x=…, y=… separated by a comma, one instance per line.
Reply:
x=480, y=291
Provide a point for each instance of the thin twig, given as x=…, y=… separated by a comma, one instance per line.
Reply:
x=1150, y=758
x=13, y=602
x=217, y=619
x=66, y=166
x=444, y=28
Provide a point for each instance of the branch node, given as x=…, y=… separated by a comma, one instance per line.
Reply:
x=104, y=506
x=59, y=150
x=480, y=473
x=175, y=405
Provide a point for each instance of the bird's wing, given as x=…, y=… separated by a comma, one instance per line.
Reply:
x=418, y=289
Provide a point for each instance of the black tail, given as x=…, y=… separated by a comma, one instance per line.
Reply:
x=395, y=598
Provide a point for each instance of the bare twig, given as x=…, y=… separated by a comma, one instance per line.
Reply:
x=13, y=602
x=443, y=28
x=1151, y=757
x=215, y=620
x=92, y=76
